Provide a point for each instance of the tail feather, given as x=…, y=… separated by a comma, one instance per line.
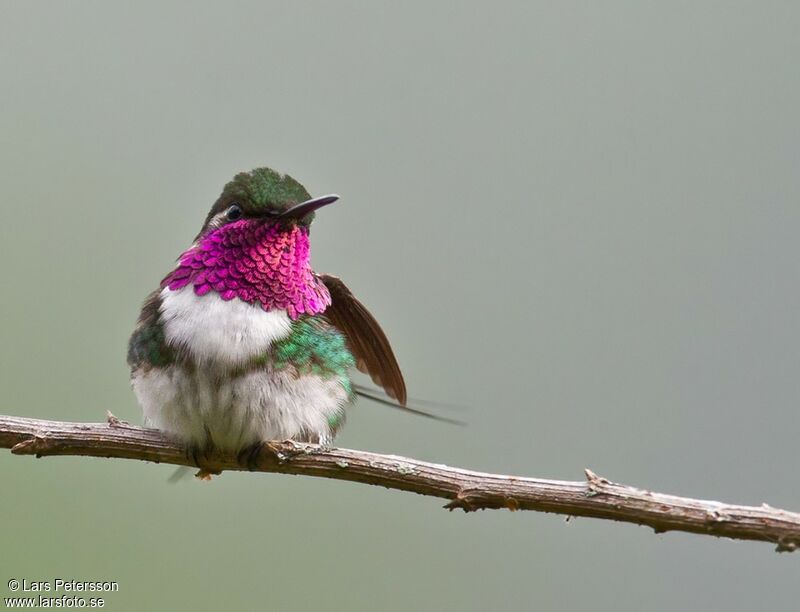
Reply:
x=377, y=396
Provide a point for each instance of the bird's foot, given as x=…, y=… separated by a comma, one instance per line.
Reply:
x=248, y=456
x=199, y=455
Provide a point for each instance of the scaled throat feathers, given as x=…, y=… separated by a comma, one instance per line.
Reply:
x=256, y=261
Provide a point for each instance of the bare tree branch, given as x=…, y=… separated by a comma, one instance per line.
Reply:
x=596, y=497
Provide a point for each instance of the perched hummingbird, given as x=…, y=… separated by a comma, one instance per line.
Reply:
x=243, y=342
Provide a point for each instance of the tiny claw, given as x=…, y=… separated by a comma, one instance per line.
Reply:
x=248, y=456
x=200, y=456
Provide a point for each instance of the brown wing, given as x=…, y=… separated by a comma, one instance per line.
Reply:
x=367, y=342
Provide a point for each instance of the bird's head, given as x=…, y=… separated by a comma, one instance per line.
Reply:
x=264, y=196
x=254, y=246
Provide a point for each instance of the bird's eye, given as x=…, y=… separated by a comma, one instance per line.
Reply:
x=234, y=212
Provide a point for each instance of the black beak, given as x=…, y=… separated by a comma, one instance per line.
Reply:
x=298, y=211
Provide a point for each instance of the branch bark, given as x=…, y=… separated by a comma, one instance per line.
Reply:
x=595, y=497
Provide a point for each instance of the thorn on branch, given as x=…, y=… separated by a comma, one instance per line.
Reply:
x=787, y=545
x=34, y=445
x=593, y=478
x=114, y=421
x=462, y=500
x=594, y=483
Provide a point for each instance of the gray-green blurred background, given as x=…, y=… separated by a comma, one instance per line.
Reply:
x=580, y=219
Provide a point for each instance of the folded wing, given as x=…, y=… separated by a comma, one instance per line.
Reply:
x=365, y=338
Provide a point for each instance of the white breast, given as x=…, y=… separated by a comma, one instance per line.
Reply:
x=212, y=329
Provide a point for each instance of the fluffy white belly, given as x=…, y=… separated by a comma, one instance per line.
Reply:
x=197, y=407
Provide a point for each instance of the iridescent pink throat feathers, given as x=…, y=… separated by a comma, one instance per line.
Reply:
x=255, y=262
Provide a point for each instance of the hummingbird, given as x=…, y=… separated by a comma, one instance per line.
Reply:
x=244, y=342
